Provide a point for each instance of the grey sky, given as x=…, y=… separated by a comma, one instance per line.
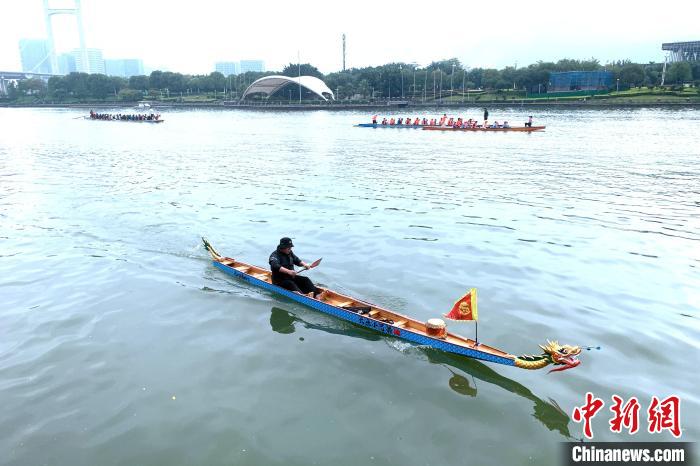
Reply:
x=190, y=36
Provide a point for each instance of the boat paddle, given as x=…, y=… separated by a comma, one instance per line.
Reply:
x=313, y=264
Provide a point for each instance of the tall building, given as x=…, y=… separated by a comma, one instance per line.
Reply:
x=66, y=63
x=95, y=62
x=252, y=65
x=35, y=55
x=124, y=68
x=227, y=67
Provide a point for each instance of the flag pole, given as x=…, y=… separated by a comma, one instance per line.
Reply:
x=476, y=338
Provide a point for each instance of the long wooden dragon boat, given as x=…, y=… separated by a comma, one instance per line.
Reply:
x=398, y=325
x=123, y=120
x=522, y=129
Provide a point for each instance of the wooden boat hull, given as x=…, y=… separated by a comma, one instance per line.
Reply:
x=522, y=129
x=403, y=327
x=378, y=125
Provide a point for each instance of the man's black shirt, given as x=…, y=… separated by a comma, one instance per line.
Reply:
x=279, y=259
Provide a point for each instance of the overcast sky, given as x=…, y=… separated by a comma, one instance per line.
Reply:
x=190, y=37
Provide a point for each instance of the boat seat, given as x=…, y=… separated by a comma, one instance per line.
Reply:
x=344, y=304
x=228, y=261
x=400, y=323
x=373, y=313
x=260, y=276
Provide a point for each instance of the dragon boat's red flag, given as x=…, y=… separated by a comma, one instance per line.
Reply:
x=465, y=307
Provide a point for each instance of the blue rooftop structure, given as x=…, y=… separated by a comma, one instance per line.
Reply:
x=580, y=81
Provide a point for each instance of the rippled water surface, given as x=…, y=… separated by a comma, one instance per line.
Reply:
x=122, y=344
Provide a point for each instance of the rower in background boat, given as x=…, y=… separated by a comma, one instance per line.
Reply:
x=282, y=262
x=374, y=120
x=529, y=122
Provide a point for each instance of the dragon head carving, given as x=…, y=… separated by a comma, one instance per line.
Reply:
x=561, y=355
x=553, y=353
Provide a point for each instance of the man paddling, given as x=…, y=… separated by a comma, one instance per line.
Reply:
x=282, y=262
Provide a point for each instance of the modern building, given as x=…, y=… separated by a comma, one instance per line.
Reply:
x=682, y=51
x=66, y=63
x=252, y=65
x=35, y=55
x=569, y=81
x=95, y=62
x=124, y=67
x=227, y=68
x=270, y=85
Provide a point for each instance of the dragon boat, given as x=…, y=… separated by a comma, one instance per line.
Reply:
x=123, y=121
x=522, y=129
x=397, y=325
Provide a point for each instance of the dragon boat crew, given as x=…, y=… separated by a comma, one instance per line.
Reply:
x=282, y=262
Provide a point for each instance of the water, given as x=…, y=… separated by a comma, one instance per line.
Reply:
x=122, y=344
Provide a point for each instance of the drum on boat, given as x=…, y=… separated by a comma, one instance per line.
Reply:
x=436, y=328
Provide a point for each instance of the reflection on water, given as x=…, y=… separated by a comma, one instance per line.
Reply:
x=460, y=384
x=548, y=413
x=282, y=321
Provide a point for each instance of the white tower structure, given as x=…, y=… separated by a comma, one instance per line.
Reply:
x=75, y=11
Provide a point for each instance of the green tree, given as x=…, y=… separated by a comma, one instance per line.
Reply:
x=632, y=75
x=490, y=78
x=33, y=86
x=216, y=81
x=679, y=73
x=77, y=85
x=99, y=86
x=155, y=80
x=139, y=83
x=307, y=69
x=130, y=95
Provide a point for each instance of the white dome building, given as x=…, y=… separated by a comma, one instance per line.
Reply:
x=271, y=84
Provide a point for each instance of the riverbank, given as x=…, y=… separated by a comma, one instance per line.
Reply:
x=589, y=104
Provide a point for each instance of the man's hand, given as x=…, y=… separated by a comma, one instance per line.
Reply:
x=307, y=266
x=292, y=273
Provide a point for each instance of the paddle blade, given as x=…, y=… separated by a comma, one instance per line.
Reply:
x=315, y=263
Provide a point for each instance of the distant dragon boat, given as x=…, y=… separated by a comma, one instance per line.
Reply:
x=123, y=120
x=525, y=129
x=398, y=325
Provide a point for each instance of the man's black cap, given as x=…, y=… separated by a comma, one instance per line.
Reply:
x=285, y=243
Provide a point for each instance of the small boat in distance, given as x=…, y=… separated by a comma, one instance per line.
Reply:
x=432, y=333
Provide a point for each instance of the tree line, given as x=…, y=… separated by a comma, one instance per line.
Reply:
x=392, y=80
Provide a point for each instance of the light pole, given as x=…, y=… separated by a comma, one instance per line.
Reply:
x=452, y=88
x=440, y=85
x=425, y=85
x=414, y=82
x=401, y=71
x=618, y=84
x=464, y=72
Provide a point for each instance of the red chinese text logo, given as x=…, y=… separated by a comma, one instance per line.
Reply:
x=662, y=415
